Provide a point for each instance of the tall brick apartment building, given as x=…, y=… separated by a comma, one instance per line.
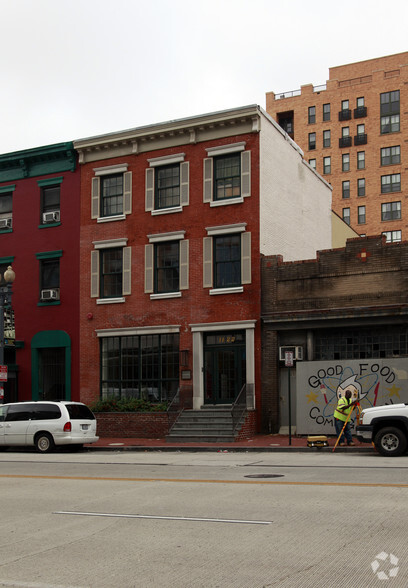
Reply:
x=353, y=131
x=174, y=219
x=345, y=315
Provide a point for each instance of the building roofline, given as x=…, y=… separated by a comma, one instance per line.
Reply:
x=169, y=126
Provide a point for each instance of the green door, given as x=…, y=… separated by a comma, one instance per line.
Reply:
x=224, y=366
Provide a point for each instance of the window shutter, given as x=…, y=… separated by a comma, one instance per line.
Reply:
x=246, y=258
x=126, y=271
x=208, y=182
x=94, y=274
x=149, y=199
x=184, y=183
x=149, y=256
x=246, y=173
x=207, y=262
x=95, y=197
x=183, y=264
x=127, y=192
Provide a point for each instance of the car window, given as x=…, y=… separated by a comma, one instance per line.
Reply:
x=3, y=412
x=46, y=412
x=80, y=411
x=19, y=412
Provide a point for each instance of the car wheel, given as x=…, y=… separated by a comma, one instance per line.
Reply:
x=44, y=442
x=390, y=442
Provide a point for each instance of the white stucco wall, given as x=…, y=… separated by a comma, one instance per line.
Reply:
x=295, y=202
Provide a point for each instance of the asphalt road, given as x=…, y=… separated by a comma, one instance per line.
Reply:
x=123, y=519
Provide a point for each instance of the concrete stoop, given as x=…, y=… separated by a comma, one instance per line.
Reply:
x=209, y=425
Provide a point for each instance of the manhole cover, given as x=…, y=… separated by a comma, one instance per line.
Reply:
x=264, y=476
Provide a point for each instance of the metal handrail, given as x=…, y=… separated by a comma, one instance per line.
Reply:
x=174, y=410
x=239, y=408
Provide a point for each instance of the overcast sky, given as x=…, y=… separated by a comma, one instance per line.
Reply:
x=75, y=69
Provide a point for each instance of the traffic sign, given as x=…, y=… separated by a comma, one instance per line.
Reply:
x=288, y=358
x=3, y=373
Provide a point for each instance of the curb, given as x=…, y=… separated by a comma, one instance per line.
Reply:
x=285, y=449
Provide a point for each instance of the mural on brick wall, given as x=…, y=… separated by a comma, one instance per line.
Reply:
x=319, y=385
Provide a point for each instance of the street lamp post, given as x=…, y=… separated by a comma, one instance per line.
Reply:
x=5, y=299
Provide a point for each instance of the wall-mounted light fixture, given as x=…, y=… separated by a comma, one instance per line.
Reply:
x=184, y=357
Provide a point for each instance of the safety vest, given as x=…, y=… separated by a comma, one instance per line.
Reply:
x=343, y=402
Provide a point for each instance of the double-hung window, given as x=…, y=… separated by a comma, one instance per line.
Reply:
x=346, y=215
x=361, y=215
x=360, y=159
x=312, y=141
x=391, y=155
x=392, y=236
x=227, y=174
x=361, y=187
x=326, y=165
x=166, y=265
x=167, y=184
x=326, y=112
x=110, y=270
x=390, y=112
x=391, y=183
x=311, y=115
x=390, y=211
x=326, y=139
x=111, y=192
x=346, y=189
x=6, y=208
x=345, y=162
x=50, y=200
x=227, y=258
x=49, y=265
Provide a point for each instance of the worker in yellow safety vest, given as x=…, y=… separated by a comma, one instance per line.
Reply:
x=344, y=407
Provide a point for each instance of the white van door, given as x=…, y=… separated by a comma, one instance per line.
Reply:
x=16, y=423
x=3, y=410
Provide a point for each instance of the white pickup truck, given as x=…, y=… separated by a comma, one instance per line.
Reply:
x=386, y=427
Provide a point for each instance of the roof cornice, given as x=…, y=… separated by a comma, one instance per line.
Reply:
x=169, y=134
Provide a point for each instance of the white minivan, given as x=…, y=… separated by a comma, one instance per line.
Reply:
x=45, y=424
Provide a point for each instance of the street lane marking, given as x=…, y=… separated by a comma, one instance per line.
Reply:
x=198, y=481
x=164, y=518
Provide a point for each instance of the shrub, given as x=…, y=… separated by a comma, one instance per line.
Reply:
x=113, y=404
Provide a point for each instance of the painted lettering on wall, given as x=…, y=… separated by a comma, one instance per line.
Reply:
x=319, y=386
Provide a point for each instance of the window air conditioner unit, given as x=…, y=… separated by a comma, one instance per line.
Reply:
x=6, y=223
x=51, y=217
x=51, y=294
x=297, y=351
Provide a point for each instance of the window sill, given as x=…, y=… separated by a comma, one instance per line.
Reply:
x=109, y=219
x=110, y=300
x=167, y=210
x=48, y=225
x=237, y=290
x=165, y=295
x=6, y=230
x=227, y=201
x=50, y=303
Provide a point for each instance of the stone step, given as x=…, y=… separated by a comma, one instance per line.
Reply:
x=189, y=438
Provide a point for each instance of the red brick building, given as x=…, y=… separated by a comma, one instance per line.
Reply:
x=39, y=237
x=353, y=131
x=174, y=218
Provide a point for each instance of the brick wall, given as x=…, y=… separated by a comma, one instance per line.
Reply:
x=363, y=283
x=143, y=425
x=249, y=428
x=366, y=79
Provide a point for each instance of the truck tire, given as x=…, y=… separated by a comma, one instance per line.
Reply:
x=390, y=442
